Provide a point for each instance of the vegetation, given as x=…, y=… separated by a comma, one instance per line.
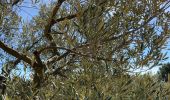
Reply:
x=164, y=71
x=84, y=49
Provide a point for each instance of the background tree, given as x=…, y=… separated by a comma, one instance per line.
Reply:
x=164, y=70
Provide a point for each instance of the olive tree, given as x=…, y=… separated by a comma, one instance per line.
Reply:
x=89, y=37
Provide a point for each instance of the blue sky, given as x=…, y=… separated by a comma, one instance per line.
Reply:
x=27, y=11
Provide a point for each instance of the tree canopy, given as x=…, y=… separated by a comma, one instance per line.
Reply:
x=87, y=43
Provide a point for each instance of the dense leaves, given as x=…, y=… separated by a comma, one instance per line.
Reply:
x=164, y=71
x=84, y=49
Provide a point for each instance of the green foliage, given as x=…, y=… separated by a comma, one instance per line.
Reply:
x=85, y=49
x=85, y=87
x=163, y=72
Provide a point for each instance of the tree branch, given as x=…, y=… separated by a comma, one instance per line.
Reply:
x=38, y=59
x=64, y=18
x=36, y=65
x=27, y=49
x=56, y=58
x=18, y=55
x=15, y=53
x=47, y=30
